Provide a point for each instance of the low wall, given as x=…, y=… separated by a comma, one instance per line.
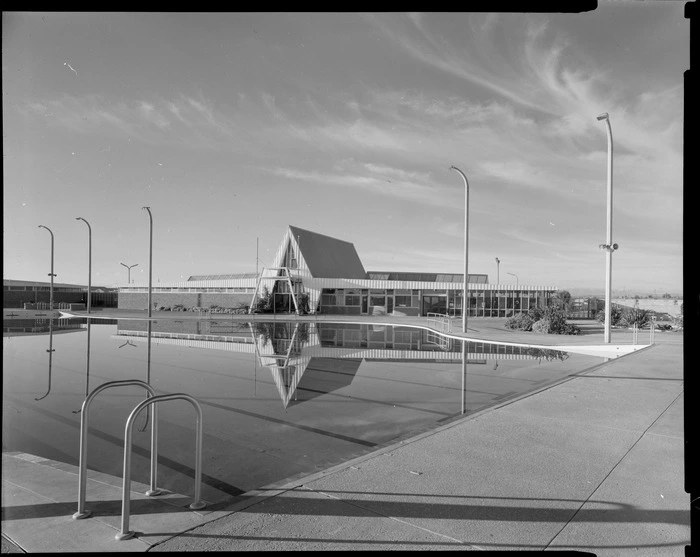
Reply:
x=139, y=300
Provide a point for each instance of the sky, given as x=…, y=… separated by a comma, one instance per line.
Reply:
x=232, y=126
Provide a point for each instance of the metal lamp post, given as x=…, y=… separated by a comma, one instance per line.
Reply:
x=465, y=292
x=128, y=268
x=89, y=292
x=498, y=271
x=514, y=275
x=608, y=246
x=51, y=274
x=150, y=260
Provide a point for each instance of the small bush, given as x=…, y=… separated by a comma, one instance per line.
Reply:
x=521, y=322
x=631, y=316
x=551, y=320
x=615, y=315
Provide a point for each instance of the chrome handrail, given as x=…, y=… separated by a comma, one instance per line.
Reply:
x=84, y=415
x=197, y=504
x=442, y=319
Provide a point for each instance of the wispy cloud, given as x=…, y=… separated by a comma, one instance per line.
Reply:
x=182, y=120
x=464, y=63
x=380, y=180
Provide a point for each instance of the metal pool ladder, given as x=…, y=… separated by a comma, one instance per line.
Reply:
x=197, y=504
x=154, y=399
x=84, y=419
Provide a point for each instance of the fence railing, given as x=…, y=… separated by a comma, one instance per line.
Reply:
x=440, y=321
x=47, y=305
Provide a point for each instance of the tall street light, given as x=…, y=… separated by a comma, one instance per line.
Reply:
x=51, y=274
x=608, y=246
x=150, y=259
x=128, y=268
x=498, y=271
x=465, y=291
x=514, y=275
x=89, y=294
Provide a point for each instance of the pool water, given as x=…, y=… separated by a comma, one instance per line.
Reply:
x=280, y=400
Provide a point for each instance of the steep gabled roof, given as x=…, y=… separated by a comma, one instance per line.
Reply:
x=328, y=257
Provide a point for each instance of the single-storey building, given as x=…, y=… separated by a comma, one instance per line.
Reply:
x=17, y=293
x=312, y=272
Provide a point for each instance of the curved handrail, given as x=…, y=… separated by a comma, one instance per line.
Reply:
x=125, y=533
x=84, y=415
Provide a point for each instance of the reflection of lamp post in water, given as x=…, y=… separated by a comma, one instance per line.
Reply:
x=51, y=274
x=50, y=351
x=148, y=381
x=87, y=365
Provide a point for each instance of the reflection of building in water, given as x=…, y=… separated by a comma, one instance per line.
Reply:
x=307, y=359
x=19, y=327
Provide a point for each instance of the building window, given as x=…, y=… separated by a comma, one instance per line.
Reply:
x=375, y=300
x=352, y=300
x=402, y=301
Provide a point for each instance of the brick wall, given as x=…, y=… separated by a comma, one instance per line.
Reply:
x=139, y=300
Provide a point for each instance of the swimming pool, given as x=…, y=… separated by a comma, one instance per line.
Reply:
x=280, y=400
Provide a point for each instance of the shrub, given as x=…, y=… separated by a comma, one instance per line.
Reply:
x=615, y=315
x=551, y=320
x=631, y=316
x=264, y=302
x=304, y=303
x=521, y=322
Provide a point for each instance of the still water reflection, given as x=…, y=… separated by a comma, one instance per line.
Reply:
x=280, y=400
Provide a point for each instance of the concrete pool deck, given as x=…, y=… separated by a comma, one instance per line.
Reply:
x=593, y=463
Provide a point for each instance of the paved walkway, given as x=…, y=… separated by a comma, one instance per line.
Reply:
x=594, y=463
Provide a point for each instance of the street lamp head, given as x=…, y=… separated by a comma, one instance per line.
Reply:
x=603, y=116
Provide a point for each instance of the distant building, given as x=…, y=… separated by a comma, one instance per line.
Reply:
x=329, y=276
x=16, y=293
